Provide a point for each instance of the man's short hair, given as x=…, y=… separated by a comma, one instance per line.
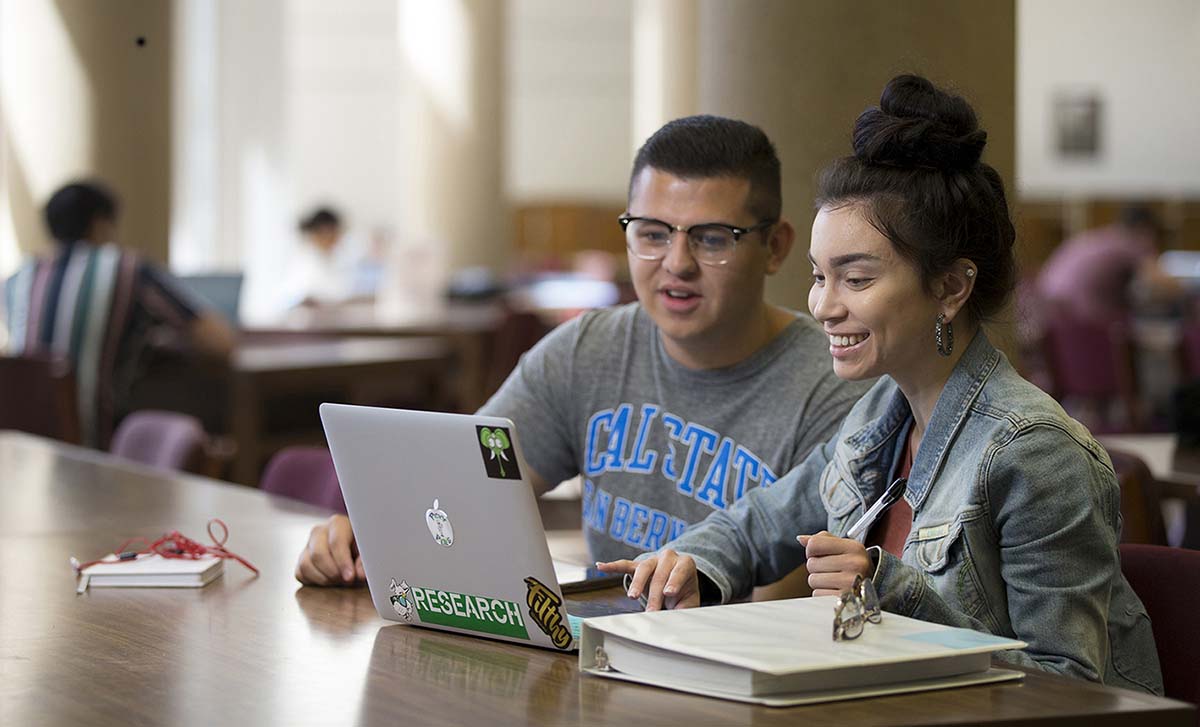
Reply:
x=697, y=147
x=73, y=208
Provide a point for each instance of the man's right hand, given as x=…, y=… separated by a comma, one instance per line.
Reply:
x=331, y=557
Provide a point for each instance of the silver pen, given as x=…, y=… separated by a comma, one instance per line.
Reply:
x=627, y=581
x=893, y=493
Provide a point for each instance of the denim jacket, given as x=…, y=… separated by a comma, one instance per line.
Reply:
x=1015, y=526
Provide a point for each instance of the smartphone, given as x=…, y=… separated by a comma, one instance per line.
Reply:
x=588, y=579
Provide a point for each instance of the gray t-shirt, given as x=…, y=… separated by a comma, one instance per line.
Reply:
x=661, y=446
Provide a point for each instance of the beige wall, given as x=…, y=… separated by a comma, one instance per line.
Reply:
x=665, y=83
x=1147, y=117
x=804, y=71
x=452, y=144
x=567, y=101
x=80, y=97
x=801, y=70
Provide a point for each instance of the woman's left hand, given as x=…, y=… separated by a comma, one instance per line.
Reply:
x=834, y=562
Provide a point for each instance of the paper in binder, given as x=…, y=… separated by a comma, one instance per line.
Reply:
x=782, y=653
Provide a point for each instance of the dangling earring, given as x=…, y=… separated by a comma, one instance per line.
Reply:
x=947, y=346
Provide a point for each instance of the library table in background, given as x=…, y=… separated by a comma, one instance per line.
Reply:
x=262, y=372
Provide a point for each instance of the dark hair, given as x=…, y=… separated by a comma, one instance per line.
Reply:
x=712, y=146
x=72, y=210
x=916, y=173
x=320, y=217
x=1140, y=217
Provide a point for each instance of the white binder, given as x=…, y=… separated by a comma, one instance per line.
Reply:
x=782, y=653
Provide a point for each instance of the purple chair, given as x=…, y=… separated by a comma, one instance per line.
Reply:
x=1092, y=362
x=165, y=439
x=38, y=395
x=304, y=473
x=1166, y=579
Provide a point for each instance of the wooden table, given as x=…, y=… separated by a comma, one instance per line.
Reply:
x=345, y=366
x=265, y=651
x=469, y=328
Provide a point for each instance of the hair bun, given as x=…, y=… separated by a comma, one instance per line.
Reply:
x=919, y=125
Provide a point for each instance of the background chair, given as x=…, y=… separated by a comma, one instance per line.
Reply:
x=304, y=473
x=1091, y=364
x=169, y=440
x=1167, y=580
x=38, y=395
x=519, y=332
x=1141, y=500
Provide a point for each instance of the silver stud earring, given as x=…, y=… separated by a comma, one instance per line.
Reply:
x=970, y=272
x=944, y=346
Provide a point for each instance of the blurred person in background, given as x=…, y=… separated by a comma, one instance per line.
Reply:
x=1101, y=275
x=323, y=272
x=101, y=306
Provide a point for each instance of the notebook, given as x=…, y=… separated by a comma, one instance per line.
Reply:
x=448, y=526
x=151, y=571
x=782, y=653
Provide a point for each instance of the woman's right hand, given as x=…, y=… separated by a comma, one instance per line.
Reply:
x=668, y=579
x=331, y=557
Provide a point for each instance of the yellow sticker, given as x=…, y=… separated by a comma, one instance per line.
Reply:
x=545, y=610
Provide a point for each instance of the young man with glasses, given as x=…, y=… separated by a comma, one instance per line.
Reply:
x=679, y=404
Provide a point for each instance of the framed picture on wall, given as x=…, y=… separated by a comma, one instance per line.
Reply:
x=1077, y=117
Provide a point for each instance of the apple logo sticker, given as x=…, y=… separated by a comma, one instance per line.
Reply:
x=439, y=525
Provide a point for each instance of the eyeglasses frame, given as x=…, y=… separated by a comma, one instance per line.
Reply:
x=863, y=595
x=737, y=232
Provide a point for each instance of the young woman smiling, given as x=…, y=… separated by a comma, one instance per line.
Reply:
x=1009, y=515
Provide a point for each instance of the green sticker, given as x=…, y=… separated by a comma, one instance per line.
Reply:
x=473, y=613
x=498, y=458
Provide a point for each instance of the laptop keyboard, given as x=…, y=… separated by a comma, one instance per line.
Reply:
x=602, y=607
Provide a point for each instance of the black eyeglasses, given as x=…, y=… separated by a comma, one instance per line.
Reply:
x=711, y=243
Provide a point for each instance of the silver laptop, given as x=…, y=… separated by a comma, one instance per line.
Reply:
x=448, y=526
